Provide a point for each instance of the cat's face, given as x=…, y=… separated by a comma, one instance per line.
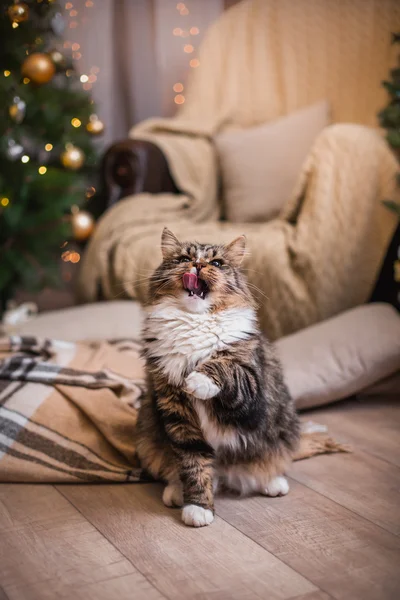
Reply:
x=200, y=277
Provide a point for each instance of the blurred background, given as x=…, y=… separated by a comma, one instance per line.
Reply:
x=76, y=77
x=137, y=54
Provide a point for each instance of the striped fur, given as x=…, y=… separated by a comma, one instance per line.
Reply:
x=217, y=409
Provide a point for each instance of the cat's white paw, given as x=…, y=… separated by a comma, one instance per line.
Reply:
x=201, y=386
x=278, y=486
x=197, y=516
x=173, y=495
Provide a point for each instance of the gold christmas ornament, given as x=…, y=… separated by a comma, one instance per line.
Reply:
x=38, y=67
x=18, y=12
x=58, y=58
x=95, y=126
x=73, y=157
x=82, y=225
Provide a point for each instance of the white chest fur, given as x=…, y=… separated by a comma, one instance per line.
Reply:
x=183, y=339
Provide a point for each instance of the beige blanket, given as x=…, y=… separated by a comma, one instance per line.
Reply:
x=68, y=412
x=263, y=59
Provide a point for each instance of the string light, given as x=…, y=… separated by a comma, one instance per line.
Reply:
x=75, y=46
x=5, y=201
x=14, y=25
x=76, y=122
x=84, y=78
x=74, y=257
x=25, y=158
x=42, y=170
x=48, y=147
x=68, y=6
x=7, y=73
x=187, y=48
x=89, y=3
x=73, y=13
x=26, y=80
x=68, y=256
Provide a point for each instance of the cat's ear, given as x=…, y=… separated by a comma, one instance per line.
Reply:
x=236, y=250
x=169, y=243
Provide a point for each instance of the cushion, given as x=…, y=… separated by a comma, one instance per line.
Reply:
x=341, y=356
x=99, y=321
x=260, y=165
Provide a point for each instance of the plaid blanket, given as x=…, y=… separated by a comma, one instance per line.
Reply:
x=68, y=412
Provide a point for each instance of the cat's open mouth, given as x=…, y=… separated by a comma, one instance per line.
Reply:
x=195, y=286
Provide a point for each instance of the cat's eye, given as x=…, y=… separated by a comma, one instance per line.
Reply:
x=183, y=259
x=216, y=263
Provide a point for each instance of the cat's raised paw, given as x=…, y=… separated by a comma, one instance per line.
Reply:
x=197, y=516
x=278, y=486
x=173, y=495
x=201, y=386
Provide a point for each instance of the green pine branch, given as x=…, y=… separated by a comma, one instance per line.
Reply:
x=35, y=207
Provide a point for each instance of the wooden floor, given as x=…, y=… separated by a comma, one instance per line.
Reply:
x=336, y=535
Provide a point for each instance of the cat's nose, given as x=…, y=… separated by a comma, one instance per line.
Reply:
x=199, y=266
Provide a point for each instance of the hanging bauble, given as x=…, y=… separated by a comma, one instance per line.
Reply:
x=18, y=12
x=58, y=24
x=14, y=150
x=82, y=225
x=17, y=110
x=95, y=126
x=73, y=157
x=58, y=58
x=38, y=67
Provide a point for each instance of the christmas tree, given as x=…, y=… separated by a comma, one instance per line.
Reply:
x=47, y=154
x=389, y=117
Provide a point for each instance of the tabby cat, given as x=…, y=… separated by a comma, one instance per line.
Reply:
x=217, y=410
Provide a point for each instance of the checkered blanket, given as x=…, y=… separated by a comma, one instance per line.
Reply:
x=68, y=412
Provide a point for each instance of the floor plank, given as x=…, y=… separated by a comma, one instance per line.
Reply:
x=49, y=550
x=343, y=554
x=216, y=562
x=358, y=481
x=370, y=424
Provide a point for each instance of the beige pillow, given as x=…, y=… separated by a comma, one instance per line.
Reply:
x=341, y=356
x=260, y=165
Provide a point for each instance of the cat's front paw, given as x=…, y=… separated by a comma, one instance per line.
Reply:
x=278, y=486
x=201, y=386
x=197, y=516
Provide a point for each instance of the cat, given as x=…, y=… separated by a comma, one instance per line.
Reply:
x=217, y=410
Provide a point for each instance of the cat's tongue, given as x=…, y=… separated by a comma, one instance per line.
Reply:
x=190, y=282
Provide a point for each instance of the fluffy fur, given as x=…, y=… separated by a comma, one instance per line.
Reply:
x=217, y=409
